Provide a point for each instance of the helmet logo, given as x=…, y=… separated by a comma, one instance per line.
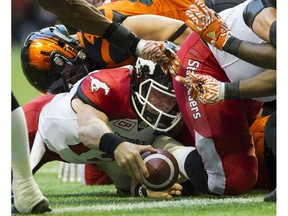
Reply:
x=96, y=84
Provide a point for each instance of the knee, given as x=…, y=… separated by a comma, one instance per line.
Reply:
x=241, y=171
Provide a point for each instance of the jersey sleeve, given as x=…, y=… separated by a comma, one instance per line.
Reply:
x=108, y=90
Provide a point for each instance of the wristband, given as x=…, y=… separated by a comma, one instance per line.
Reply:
x=140, y=191
x=109, y=142
x=232, y=45
x=232, y=91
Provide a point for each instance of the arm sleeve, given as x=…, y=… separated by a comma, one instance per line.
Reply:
x=85, y=17
x=79, y=14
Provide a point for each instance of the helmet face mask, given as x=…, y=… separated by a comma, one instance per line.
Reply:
x=70, y=71
x=153, y=97
x=52, y=61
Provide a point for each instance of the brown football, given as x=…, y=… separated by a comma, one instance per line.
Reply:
x=163, y=169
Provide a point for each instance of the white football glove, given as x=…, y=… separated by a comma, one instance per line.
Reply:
x=203, y=88
x=160, y=53
x=69, y=172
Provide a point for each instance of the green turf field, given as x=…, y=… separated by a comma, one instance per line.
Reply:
x=20, y=86
x=69, y=199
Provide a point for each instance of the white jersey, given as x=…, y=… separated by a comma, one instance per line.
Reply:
x=59, y=130
x=235, y=68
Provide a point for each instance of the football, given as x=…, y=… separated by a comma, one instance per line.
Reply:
x=163, y=170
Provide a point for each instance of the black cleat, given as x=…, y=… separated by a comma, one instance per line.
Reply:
x=41, y=207
x=271, y=197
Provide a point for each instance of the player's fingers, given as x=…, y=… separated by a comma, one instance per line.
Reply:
x=178, y=193
x=194, y=15
x=202, y=7
x=139, y=170
x=164, y=68
x=145, y=148
x=180, y=79
x=193, y=76
x=140, y=161
x=176, y=186
x=168, y=196
x=172, y=69
x=194, y=26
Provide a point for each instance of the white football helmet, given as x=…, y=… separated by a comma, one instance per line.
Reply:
x=153, y=96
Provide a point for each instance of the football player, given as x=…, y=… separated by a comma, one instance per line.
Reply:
x=227, y=140
x=84, y=16
x=108, y=118
x=201, y=173
x=207, y=90
x=84, y=47
x=241, y=86
x=174, y=9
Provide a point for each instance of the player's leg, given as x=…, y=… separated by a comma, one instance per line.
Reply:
x=220, y=131
x=118, y=175
x=189, y=161
x=27, y=196
x=270, y=154
x=93, y=175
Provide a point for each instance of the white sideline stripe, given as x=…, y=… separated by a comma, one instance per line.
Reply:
x=158, y=204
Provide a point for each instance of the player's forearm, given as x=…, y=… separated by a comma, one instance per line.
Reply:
x=158, y=31
x=92, y=124
x=79, y=14
x=261, y=85
x=83, y=16
x=261, y=55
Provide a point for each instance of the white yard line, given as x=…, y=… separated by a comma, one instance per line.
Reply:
x=157, y=204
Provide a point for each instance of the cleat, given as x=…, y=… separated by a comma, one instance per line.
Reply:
x=41, y=207
x=271, y=197
x=28, y=198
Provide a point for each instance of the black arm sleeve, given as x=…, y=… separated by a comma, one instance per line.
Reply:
x=122, y=38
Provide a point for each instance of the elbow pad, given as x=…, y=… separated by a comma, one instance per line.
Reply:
x=122, y=38
x=253, y=8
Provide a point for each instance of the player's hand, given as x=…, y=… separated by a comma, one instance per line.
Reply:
x=128, y=156
x=208, y=24
x=69, y=172
x=203, y=88
x=175, y=190
x=160, y=53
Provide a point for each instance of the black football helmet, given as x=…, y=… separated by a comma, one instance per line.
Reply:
x=52, y=61
x=150, y=79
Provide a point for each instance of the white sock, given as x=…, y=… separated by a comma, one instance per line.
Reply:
x=26, y=191
x=181, y=153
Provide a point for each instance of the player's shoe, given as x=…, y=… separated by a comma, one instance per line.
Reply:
x=41, y=207
x=271, y=197
x=28, y=198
